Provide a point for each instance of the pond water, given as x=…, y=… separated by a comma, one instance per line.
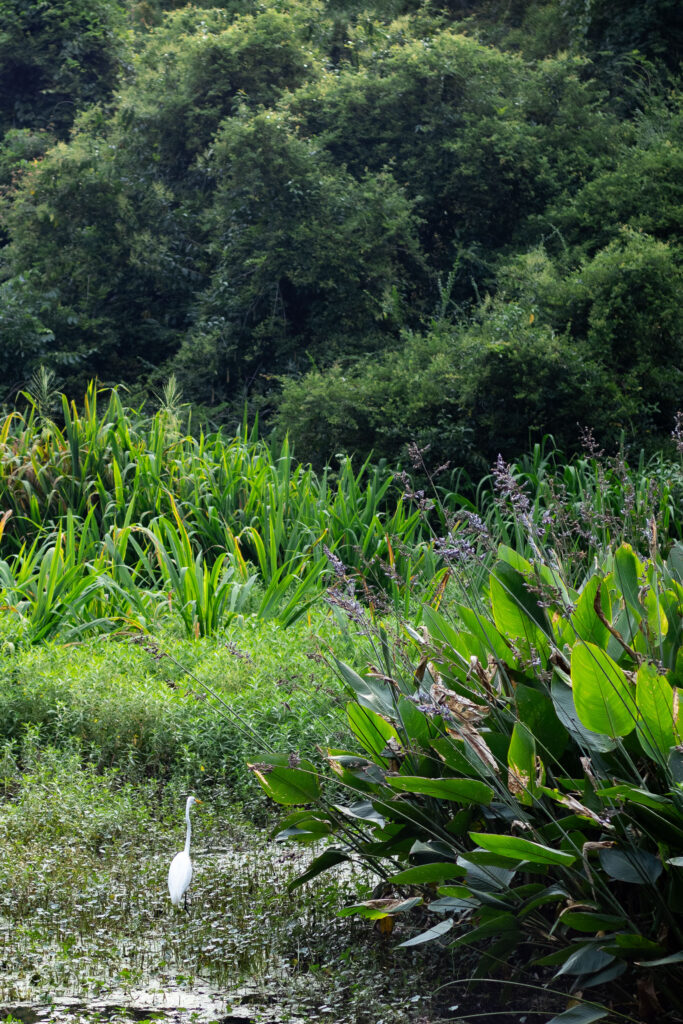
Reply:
x=97, y=939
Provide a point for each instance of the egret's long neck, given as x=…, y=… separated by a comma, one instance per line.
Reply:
x=189, y=830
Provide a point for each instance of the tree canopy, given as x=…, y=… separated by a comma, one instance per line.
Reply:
x=371, y=222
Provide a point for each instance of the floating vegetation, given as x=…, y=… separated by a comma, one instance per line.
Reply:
x=87, y=932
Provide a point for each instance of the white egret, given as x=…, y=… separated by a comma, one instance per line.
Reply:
x=180, y=871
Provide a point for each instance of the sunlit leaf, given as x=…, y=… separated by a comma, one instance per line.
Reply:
x=602, y=695
x=459, y=790
x=521, y=849
x=425, y=874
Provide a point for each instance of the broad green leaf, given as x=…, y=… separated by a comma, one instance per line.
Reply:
x=563, y=701
x=602, y=694
x=657, y=621
x=551, y=894
x=373, y=731
x=299, y=834
x=513, y=558
x=455, y=755
x=672, y=607
x=636, y=866
x=637, y=796
x=498, y=924
x=362, y=810
x=432, y=933
x=607, y=974
x=586, y=623
x=560, y=956
x=589, y=921
x=582, y=1014
x=516, y=611
x=586, y=960
x=426, y=874
x=375, y=910
x=460, y=892
x=486, y=633
x=370, y=693
x=675, y=561
x=288, y=785
x=484, y=877
x=328, y=859
x=301, y=825
x=521, y=849
x=657, y=731
x=627, y=570
x=464, y=791
x=675, y=764
x=630, y=941
x=418, y=727
x=485, y=859
x=522, y=764
x=448, y=903
x=407, y=812
x=536, y=711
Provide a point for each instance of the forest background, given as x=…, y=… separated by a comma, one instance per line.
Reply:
x=370, y=222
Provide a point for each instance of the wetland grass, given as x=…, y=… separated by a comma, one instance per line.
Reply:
x=86, y=924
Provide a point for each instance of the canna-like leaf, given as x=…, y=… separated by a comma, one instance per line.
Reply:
x=639, y=867
x=426, y=874
x=516, y=611
x=585, y=960
x=463, y=791
x=658, y=730
x=328, y=859
x=563, y=700
x=585, y=621
x=373, y=731
x=603, y=696
x=522, y=764
x=522, y=849
x=288, y=785
x=627, y=572
x=375, y=910
x=591, y=921
x=582, y=1014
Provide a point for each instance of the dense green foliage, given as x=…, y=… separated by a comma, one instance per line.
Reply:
x=56, y=58
x=520, y=772
x=377, y=223
x=122, y=520
x=516, y=659
x=171, y=711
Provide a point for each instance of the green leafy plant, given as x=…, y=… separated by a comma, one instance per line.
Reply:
x=523, y=777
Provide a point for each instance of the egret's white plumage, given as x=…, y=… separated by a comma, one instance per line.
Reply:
x=180, y=871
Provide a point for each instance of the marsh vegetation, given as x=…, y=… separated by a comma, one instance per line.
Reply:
x=469, y=706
